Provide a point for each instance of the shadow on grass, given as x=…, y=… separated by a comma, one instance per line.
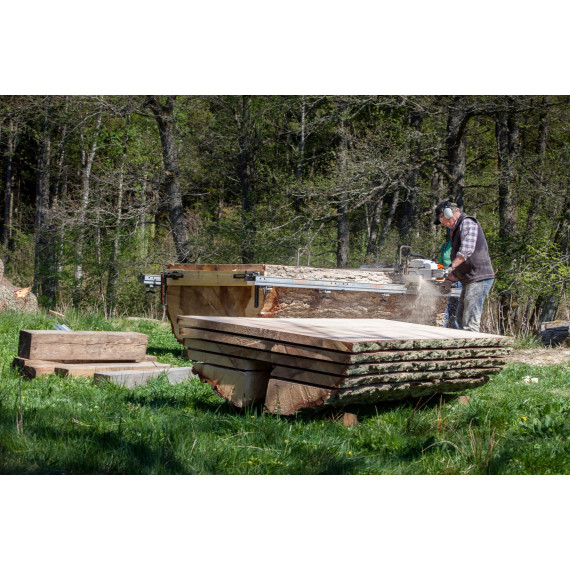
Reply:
x=366, y=411
x=71, y=449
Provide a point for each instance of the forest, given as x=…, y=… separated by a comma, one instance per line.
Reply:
x=96, y=190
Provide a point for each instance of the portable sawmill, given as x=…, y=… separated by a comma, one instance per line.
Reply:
x=401, y=292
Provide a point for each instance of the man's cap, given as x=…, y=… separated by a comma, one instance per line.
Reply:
x=440, y=207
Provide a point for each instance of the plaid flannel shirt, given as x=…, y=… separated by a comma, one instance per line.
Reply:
x=469, y=232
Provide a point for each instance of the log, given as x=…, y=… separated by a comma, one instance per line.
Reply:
x=81, y=346
x=286, y=398
x=240, y=388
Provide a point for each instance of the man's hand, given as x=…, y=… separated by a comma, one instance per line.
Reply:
x=445, y=286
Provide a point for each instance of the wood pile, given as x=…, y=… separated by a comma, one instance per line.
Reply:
x=296, y=364
x=82, y=353
x=554, y=333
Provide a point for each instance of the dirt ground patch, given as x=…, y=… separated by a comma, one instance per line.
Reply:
x=541, y=356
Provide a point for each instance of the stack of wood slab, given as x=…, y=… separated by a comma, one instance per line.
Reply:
x=82, y=353
x=296, y=364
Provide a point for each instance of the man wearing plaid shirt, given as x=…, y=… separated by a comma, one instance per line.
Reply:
x=470, y=263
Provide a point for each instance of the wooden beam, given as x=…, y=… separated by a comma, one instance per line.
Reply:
x=81, y=346
x=240, y=388
x=88, y=370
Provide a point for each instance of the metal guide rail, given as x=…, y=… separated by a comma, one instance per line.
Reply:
x=266, y=283
x=324, y=285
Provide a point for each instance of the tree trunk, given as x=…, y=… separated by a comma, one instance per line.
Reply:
x=374, y=225
x=388, y=222
x=87, y=158
x=247, y=145
x=537, y=184
x=409, y=205
x=11, y=144
x=507, y=133
x=113, y=277
x=164, y=116
x=44, y=252
x=343, y=226
x=457, y=119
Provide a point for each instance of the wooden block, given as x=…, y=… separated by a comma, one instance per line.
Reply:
x=226, y=361
x=349, y=420
x=89, y=370
x=34, y=368
x=240, y=388
x=82, y=346
x=285, y=398
x=132, y=378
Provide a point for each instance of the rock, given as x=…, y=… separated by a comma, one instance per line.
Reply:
x=15, y=298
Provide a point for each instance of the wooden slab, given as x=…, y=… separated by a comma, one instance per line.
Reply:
x=240, y=388
x=244, y=364
x=37, y=368
x=82, y=346
x=204, y=351
x=132, y=378
x=346, y=335
x=264, y=349
x=286, y=398
x=89, y=370
x=318, y=379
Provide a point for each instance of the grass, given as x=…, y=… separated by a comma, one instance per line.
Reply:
x=71, y=426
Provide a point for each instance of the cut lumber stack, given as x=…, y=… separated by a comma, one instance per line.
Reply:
x=82, y=353
x=309, y=363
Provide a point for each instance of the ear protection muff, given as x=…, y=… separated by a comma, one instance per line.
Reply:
x=447, y=211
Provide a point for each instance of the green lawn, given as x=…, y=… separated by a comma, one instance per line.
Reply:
x=71, y=426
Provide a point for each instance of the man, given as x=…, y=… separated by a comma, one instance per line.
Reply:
x=470, y=264
x=445, y=260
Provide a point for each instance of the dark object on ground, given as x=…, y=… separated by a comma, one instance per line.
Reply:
x=554, y=333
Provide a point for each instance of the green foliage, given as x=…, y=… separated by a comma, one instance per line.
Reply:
x=72, y=426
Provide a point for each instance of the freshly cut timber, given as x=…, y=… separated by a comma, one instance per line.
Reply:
x=204, y=351
x=347, y=335
x=90, y=369
x=81, y=346
x=317, y=362
x=286, y=398
x=132, y=378
x=257, y=349
x=37, y=368
x=239, y=387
